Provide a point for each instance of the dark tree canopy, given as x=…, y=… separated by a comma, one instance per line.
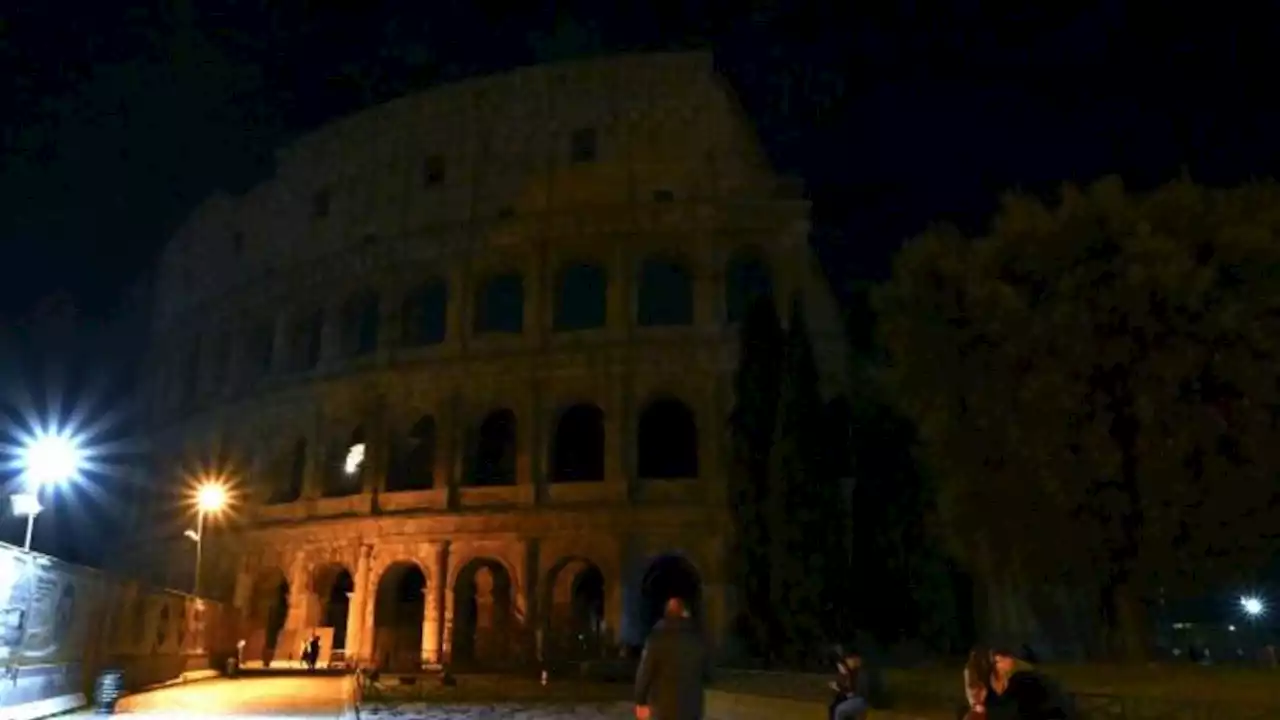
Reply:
x=1102, y=369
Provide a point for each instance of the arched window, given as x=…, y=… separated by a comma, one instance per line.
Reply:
x=494, y=450
x=581, y=298
x=667, y=441
x=500, y=305
x=666, y=294
x=360, y=324
x=578, y=452
x=415, y=467
x=425, y=314
x=746, y=280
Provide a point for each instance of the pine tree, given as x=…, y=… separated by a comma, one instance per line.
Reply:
x=760, y=353
x=805, y=508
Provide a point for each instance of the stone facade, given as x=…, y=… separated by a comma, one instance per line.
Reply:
x=507, y=306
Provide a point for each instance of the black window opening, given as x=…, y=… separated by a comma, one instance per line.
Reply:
x=415, y=464
x=494, y=451
x=581, y=300
x=433, y=171
x=360, y=324
x=582, y=145
x=425, y=314
x=667, y=442
x=347, y=468
x=292, y=472
x=746, y=281
x=578, y=451
x=666, y=294
x=500, y=305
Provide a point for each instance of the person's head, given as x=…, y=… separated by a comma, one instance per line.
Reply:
x=853, y=659
x=1003, y=660
x=675, y=608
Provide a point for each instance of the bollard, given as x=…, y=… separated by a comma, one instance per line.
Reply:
x=233, y=668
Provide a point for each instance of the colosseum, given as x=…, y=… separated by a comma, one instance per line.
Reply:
x=466, y=359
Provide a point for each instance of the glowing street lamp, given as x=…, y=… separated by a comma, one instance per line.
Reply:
x=210, y=498
x=48, y=459
x=1253, y=606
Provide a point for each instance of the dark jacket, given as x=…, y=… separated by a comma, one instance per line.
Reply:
x=673, y=670
x=1030, y=696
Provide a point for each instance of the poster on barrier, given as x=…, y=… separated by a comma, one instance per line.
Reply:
x=42, y=635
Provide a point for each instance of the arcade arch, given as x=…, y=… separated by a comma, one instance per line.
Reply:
x=398, y=614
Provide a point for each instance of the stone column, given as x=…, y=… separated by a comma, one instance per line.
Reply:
x=614, y=595
x=486, y=646
x=356, y=614
x=244, y=591
x=705, y=285
x=430, y=624
x=443, y=593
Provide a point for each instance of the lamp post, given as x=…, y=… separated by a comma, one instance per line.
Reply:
x=49, y=458
x=211, y=497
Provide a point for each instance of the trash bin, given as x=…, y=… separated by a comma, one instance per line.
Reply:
x=107, y=691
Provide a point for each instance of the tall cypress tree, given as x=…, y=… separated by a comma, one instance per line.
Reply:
x=755, y=388
x=805, y=508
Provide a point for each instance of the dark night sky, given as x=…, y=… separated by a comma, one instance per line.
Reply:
x=114, y=123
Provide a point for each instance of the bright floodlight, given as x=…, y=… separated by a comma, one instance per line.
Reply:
x=355, y=459
x=51, y=458
x=1252, y=606
x=211, y=497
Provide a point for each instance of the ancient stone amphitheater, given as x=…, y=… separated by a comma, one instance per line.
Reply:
x=467, y=358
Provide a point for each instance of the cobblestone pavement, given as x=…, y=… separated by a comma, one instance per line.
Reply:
x=500, y=711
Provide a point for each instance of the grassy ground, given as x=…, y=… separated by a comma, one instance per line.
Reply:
x=922, y=689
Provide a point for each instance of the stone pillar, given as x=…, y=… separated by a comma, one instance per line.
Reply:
x=705, y=285
x=614, y=596
x=430, y=652
x=443, y=592
x=485, y=626
x=356, y=629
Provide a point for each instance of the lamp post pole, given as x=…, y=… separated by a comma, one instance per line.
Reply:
x=199, y=547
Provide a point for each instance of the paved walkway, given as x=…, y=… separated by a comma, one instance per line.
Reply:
x=501, y=711
x=250, y=697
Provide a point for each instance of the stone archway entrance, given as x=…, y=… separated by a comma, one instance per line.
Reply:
x=333, y=587
x=269, y=609
x=482, y=620
x=398, y=617
x=575, y=618
x=668, y=576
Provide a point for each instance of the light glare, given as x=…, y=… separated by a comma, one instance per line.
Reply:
x=355, y=459
x=1252, y=606
x=211, y=497
x=51, y=458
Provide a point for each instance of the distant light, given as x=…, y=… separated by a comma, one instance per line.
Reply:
x=51, y=458
x=1253, y=606
x=355, y=459
x=211, y=497
x=1231, y=628
x=26, y=504
x=191, y=534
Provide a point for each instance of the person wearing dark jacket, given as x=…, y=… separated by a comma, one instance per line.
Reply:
x=674, y=668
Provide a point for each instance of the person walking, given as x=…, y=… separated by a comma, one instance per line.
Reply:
x=852, y=687
x=674, y=668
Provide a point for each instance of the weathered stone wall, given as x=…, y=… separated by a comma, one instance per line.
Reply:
x=62, y=624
